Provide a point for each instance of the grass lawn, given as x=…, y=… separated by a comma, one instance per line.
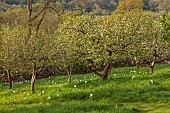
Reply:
x=128, y=90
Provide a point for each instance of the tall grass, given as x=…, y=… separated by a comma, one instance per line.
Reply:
x=127, y=90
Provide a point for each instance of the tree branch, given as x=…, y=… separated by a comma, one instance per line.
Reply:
x=39, y=13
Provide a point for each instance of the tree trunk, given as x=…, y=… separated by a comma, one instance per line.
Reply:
x=29, y=16
x=104, y=75
x=151, y=70
x=34, y=73
x=69, y=73
x=152, y=65
x=9, y=78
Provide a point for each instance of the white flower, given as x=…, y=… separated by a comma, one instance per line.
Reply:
x=42, y=92
x=58, y=94
x=39, y=94
x=85, y=81
x=133, y=77
x=94, y=75
x=91, y=95
x=13, y=91
x=114, y=74
x=75, y=85
x=25, y=98
x=49, y=97
x=53, y=82
x=151, y=81
x=80, y=80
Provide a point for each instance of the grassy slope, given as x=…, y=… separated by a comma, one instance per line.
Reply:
x=119, y=94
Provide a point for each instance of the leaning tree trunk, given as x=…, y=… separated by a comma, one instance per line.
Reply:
x=107, y=68
x=34, y=73
x=152, y=65
x=104, y=75
x=9, y=78
x=151, y=70
x=106, y=71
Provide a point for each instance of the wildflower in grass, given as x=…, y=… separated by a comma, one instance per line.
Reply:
x=133, y=77
x=151, y=81
x=91, y=95
x=114, y=74
x=42, y=92
x=13, y=91
x=25, y=98
x=39, y=94
x=80, y=80
x=85, y=81
x=55, y=83
x=58, y=94
x=49, y=97
x=94, y=75
x=75, y=85
x=134, y=71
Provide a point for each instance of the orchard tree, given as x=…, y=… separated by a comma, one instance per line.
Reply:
x=21, y=55
x=146, y=48
x=165, y=23
x=96, y=41
x=11, y=46
x=36, y=19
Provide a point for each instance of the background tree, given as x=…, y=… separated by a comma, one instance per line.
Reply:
x=146, y=48
x=165, y=22
x=20, y=55
x=129, y=5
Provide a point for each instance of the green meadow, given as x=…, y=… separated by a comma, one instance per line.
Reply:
x=127, y=90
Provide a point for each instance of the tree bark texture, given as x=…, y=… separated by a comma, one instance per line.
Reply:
x=9, y=78
x=152, y=65
x=105, y=73
x=34, y=73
